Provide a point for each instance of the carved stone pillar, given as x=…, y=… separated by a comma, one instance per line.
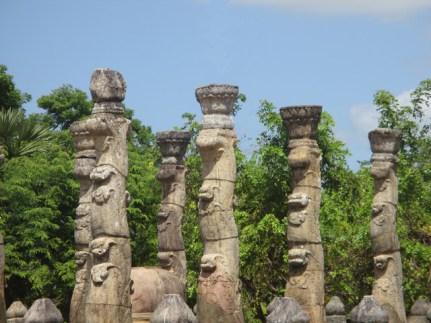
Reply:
x=83, y=133
x=172, y=256
x=306, y=274
x=218, y=288
x=387, y=287
x=102, y=232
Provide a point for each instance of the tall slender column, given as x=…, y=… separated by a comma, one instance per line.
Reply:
x=172, y=256
x=387, y=287
x=102, y=218
x=85, y=161
x=306, y=272
x=218, y=288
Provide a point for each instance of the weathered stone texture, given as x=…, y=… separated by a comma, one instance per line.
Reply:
x=172, y=257
x=43, y=310
x=368, y=311
x=335, y=312
x=286, y=310
x=16, y=312
x=218, y=287
x=173, y=309
x=102, y=289
x=418, y=312
x=387, y=287
x=306, y=265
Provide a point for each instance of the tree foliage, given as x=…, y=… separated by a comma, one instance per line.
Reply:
x=38, y=197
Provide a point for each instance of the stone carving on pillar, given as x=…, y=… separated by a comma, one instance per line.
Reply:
x=306, y=273
x=219, y=286
x=150, y=284
x=172, y=256
x=102, y=234
x=387, y=287
x=16, y=312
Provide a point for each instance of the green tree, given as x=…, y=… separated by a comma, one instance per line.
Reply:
x=20, y=136
x=10, y=96
x=65, y=105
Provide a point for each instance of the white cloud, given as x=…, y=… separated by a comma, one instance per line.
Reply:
x=383, y=8
x=364, y=117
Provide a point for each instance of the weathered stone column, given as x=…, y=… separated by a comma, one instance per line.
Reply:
x=306, y=273
x=218, y=288
x=107, y=299
x=387, y=287
x=83, y=133
x=172, y=256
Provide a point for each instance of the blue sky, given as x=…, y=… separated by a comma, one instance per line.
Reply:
x=336, y=53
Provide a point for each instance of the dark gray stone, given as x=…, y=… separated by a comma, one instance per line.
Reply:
x=286, y=310
x=43, y=310
x=335, y=312
x=368, y=311
x=173, y=309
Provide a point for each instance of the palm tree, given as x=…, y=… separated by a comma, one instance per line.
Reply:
x=20, y=136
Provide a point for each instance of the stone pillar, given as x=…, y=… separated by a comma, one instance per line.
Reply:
x=16, y=312
x=387, y=287
x=218, y=287
x=173, y=309
x=418, y=312
x=286, y=310
x=2, y=282
x=368, y=311
x=335, y=312
x=102, y=218
x=83, y=133
x=43, y=310
x=306, y=274
x=172, y=256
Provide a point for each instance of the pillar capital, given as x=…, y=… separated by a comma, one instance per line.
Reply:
x=217, y=102
x=173, y=145
x=385, y=140
x=301, y=121
x=108, y=90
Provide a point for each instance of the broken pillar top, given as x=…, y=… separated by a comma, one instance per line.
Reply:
x=108, y=90
x=385, y=140
x=217, y=102
x=286, y=310
x=43, y=310
x=420, y=307
x=173, y=143
x=301, y=121
x=173, y=309
x=369, y=311
x=16, y=310
x=335, y=306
